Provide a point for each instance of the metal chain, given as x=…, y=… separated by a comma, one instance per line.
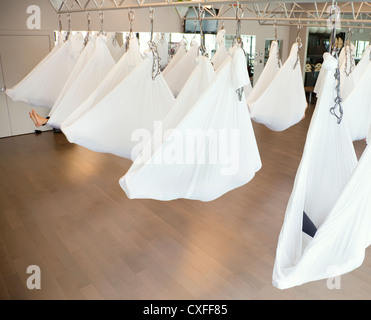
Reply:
x=101, y=18
x=68, y=27
x=201, y=14
x=351, y=53
x=276, y=39
x=238, y=40
x=338, y=100
x=153, y=47
x=60, y=24
x=239, y=15
x=298, y=40
x=88, y=34
x=156, y=59
x=130, y=34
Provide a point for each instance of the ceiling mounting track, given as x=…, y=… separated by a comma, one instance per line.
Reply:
x=354, y=14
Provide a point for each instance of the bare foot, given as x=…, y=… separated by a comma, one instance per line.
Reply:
x=38, y=120
x=33, y=119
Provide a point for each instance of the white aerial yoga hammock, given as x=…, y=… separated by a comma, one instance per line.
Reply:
x=113, y=46
x=327, y=163
x=79, y=66
x=268, y=74
x=321, y=76
x=221, y=54
x=92, y=74
x=178, y=169
x=125, y=114
x=178, y=55
x=179, y=74
x=43, y=84
x=361, y=66
x=282, y=103
x=129, y=61
x=357, y=105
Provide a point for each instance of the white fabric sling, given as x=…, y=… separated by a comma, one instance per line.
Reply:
x=43, y=84
x=125, y=114
x=221, y=54
x=201, y=170
x=179, y=74
x=79, y=66
x=327, y=163
x=283, y=102
x=93, y=73
x=113, y=46
x=269, y=72
x=357, y=106
x=361, y=66
x=178, y=55
x=321, y=76
x=129, y=61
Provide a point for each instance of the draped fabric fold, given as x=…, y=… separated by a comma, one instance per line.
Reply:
x=223, y=157
x=321, y=76
x=91, y=75
x=43, y=84
x=269, y=72
x=113, y=46
x=178, y=55
x=125, y=115
x=221, y=54
x=357, y=105
x=326, y=166
x=129, y=61
x=179, y=74
x=282, y=102
x=79, y=66
x=360, y=68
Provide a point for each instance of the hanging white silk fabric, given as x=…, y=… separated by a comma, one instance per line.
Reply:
x=93, y=73
x=362, y=65
x=341, y=56
x=129, y=61
x=225, y=158
x=43, y=84
x=321, y=76
x=113, y=46
x=346, y=71
x=179, y=74
x=162, y=50
x=221, y=54
x=178, y=55
x=79, y=66
x=269, y=72
x=357, y=106
x=326, y=166
x=125, y=114
x=283, y=102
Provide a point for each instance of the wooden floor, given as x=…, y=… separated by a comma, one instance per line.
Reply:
x=62, y=209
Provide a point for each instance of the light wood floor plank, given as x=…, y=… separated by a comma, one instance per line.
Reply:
x=61, y=208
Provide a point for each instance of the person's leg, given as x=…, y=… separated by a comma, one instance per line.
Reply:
x=38, y=120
